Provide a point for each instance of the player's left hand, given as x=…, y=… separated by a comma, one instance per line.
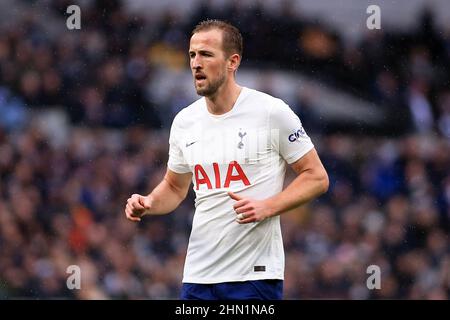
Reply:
x=249, y=210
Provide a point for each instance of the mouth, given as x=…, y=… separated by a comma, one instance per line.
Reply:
x=200, y=77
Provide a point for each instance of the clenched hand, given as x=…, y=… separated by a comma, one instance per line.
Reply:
x=137, y=206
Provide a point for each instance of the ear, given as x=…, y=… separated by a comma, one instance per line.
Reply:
x=233, y=62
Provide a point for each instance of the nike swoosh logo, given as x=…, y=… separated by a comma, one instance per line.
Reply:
x=190, y=144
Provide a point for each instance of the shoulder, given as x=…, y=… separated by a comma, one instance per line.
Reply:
x=278, y=111
x=266, y=101
x=273, y=106
x=260, y=96
x=189, y=115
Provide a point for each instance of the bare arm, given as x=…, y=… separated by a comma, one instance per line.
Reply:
x=165, y=198
x=311, y=182
x=171, y=191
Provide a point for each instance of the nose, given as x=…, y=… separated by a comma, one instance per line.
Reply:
x=195, y=63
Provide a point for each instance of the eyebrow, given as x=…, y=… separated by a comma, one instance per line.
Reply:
x=201, y=51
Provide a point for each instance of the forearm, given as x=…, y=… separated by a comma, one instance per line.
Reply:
x=304, y=188
x=165, y=198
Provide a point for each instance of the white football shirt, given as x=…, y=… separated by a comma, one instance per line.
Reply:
x=245, y=151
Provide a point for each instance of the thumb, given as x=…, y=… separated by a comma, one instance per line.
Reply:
x=145, y=202
x=234, y=196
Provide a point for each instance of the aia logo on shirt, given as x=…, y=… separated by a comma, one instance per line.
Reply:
x=294, y=136
x=234, y=173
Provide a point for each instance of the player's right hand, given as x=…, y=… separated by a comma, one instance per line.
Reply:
x=137, y=206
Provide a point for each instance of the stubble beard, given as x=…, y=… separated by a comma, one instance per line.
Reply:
x=211, y=88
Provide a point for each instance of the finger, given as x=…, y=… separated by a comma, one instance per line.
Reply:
x=245, y=215
x=243, y=209
x=234, y=196
x=135, y=219
x=135, y=198
x=131, y=209
x=240, y=216
x=136, y=205
x=145, y=202
x=136, y=214
x=246, y=220
x=129, y=215
x=240, y=203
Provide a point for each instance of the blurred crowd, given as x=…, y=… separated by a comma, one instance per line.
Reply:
x=388, y=205
x=61, y=204
x=100, y=74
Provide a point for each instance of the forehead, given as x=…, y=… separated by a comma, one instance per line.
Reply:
x=211, y=39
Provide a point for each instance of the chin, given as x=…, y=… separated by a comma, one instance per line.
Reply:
x=203, y=91
x=200, y=92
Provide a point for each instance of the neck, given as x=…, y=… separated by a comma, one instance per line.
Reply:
x=224, y=99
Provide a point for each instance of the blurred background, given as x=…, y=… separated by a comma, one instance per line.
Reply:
x=84, y=120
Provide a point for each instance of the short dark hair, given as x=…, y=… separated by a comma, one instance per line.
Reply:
x=231, y=40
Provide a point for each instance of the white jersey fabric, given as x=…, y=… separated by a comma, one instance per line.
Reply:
x=244, y=151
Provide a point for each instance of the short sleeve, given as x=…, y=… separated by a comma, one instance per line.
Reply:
x=289, y=137
x=176, y=161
